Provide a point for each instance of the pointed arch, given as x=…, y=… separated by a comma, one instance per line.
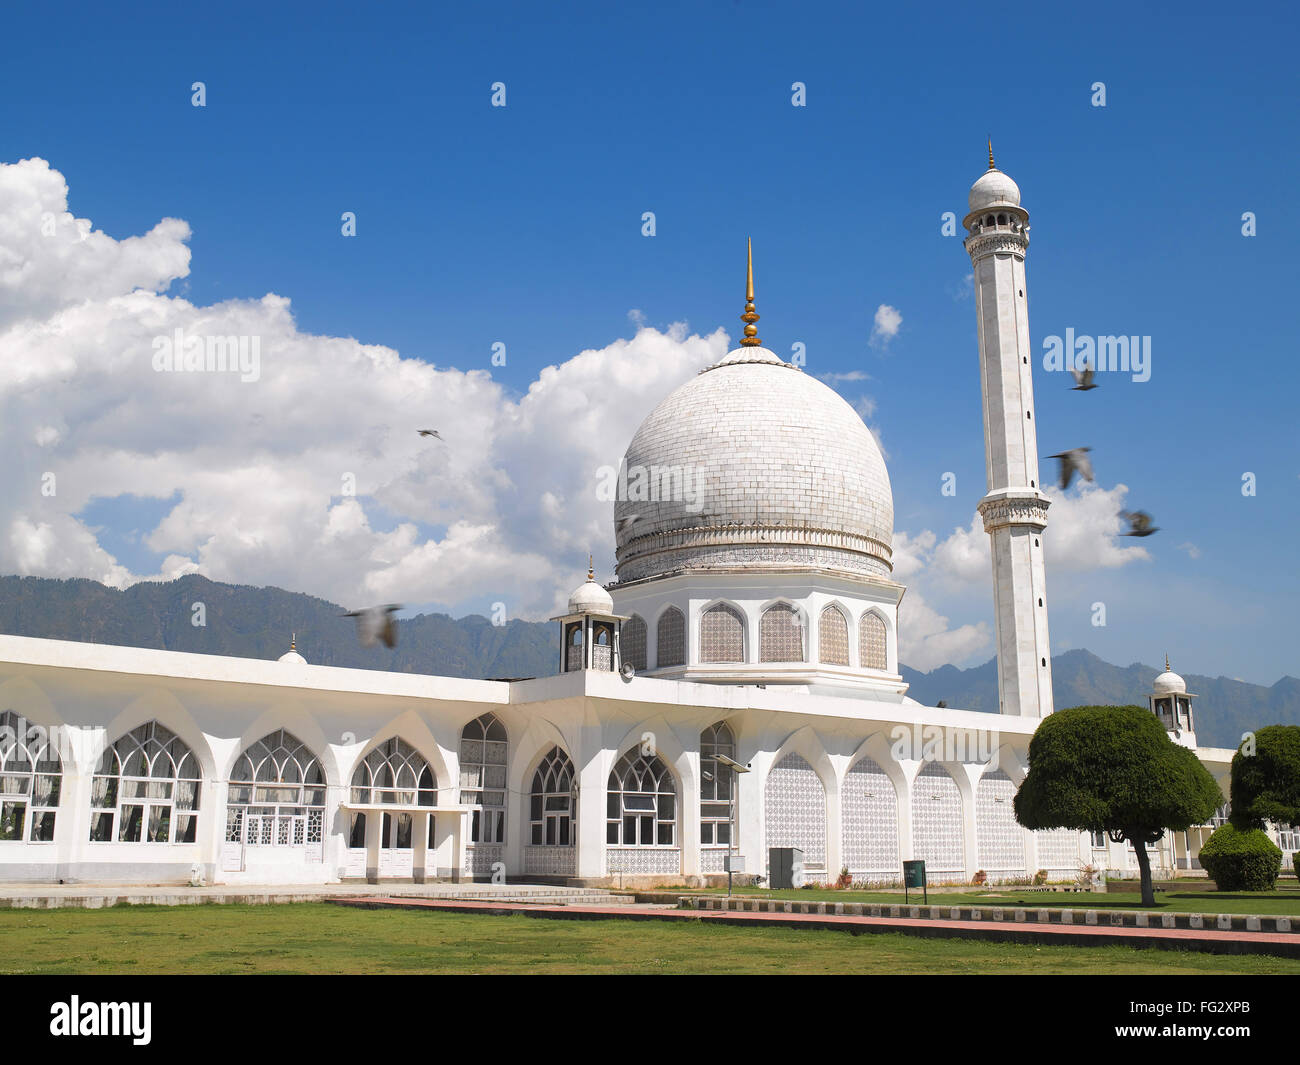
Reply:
x=276, y=795
x=781, y=637
x=1001, y=843
x=938, y=832
x=632, y=642
x=833, y=636
x=869, y=820
x=873, y=641
x=670, y=638
x=31, y=780
x=146, y=789
x=722, y=634
x=484, y=749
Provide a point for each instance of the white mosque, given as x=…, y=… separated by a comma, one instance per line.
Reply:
x=735, y=689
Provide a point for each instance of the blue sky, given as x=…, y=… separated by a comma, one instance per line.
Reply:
x=522, y=225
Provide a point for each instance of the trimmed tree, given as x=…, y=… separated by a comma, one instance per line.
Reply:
x=1266, y=778
x=1114, y=769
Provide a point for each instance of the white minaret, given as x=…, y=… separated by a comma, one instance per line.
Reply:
x=1014, y=510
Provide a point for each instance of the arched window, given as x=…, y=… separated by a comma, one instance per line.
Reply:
x=145, y=789
x=722, y=635
x=602, y=646
x=633, y=642
x=31, y=776
x=553, y=801
x=574, y=658
x=277, y=794
x=1002, y=220
x=671, y=633
x=393, y=772
x=833, y=637
x=483, y=778
x=872, y=647
x=642, y=805
x=780, y=634
x=717, y=785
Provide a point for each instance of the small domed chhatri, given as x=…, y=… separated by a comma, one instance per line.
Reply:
x=589, y=597
x=292, y=656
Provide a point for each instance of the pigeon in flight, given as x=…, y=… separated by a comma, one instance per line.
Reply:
x=1139, y=523
x=626, y=523
x=430, y=432
x=1083, y=377
x=376, y=625
x=1074, y=461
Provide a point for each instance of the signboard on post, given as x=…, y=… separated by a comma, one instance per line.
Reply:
x=914, y=877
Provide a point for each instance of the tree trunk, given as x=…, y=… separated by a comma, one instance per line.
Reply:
x=1144, y=865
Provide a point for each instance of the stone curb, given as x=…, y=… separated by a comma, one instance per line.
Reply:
x=1223, y=922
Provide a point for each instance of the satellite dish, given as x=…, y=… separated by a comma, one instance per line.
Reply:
x=628, y=671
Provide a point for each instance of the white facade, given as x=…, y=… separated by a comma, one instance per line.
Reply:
x=756, y=609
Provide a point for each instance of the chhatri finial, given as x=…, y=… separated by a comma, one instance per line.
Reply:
x=591, y=569
x=1167, y=662
x=293, y=642
x=750, y=339
x=991, y=166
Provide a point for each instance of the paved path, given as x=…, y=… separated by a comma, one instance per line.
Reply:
x=1207, y=939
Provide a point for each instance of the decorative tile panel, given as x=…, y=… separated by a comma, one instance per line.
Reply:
x=937, y=835
x=1001, y=840
x=794, y=807
x=833, y=637
x=551, y=861
x=869, y=813
x=646, y=861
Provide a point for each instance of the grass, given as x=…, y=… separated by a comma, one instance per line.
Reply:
x=1193, y=900
x=320, y=938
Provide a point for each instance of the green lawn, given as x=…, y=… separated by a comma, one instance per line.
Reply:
x=1193, y=900
x=321, y=938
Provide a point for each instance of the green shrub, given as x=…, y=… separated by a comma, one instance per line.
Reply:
x=1295, y=863
x=1241, y=860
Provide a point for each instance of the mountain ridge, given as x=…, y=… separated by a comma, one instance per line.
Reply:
x=256, y=622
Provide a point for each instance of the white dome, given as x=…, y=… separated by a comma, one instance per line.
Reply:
x=994, y=189
x=1169, y=683
x=590, y=598
x=762, y=466
x=293, y=656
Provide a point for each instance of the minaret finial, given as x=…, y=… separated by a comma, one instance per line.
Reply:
x=293, y=642
x=750, y=339
x=591, y=569
x=991, y=166
x=1167, y=662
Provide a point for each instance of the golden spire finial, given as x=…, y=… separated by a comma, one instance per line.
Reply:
x=1167, y=662
x=293, y=642
x=750, y=339
x=591, y=569
x=991, y=166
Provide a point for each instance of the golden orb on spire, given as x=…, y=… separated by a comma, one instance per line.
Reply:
x=750, y=339
x=591, y=568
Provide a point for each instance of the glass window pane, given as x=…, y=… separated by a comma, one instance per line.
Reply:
x=160, y=824
x=706, y=832
x=42, y=826
x=186, y=826
x=665, y=836
x=611, y=832
x=101, y=828
x=724, y=832
x=12, y=815
x=132, y=820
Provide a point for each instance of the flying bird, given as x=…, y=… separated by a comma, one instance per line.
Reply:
x=376, y=625
x=1074, y=461
x=1139, y=523
x=1083, y=378
x=626, y=523
x=430, y=432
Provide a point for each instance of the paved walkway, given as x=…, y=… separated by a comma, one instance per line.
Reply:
x=95, y=896
x=1210, y=940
